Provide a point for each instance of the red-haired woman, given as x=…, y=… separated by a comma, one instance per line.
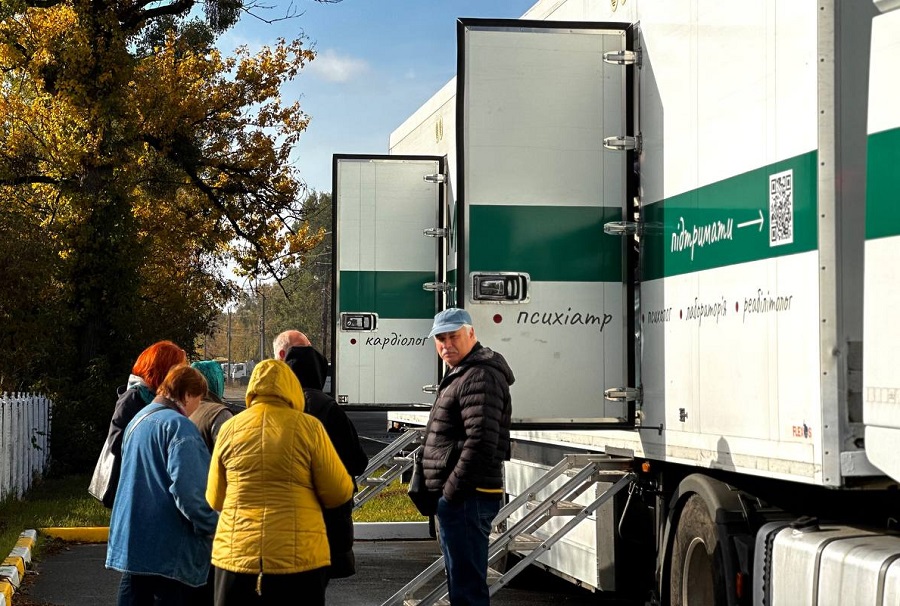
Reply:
x=147, y=375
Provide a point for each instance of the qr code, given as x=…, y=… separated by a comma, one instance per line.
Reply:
x=781, y=208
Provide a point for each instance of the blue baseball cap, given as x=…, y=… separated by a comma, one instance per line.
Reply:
x=450, y=320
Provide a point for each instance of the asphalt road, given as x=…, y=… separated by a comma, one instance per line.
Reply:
x=75, y=576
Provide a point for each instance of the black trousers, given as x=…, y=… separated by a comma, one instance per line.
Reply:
x=153, y=590
x=239, y=589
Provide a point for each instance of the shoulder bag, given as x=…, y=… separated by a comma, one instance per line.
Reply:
x=105, y=480
x=424, y=499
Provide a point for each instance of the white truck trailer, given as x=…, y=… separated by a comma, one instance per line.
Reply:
x=678, y=220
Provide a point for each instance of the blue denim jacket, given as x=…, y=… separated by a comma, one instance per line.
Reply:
x=161, y=523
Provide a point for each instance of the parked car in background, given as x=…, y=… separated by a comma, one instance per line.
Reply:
x=240, y=371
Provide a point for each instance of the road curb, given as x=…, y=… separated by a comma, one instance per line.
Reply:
x=86, y=534
x=391, y=531
x=12, y=570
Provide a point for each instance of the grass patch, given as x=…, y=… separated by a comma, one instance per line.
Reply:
x=390, y=505
x=52, y=502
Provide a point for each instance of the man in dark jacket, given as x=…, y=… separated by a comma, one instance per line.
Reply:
x=467, y=441
x=311, y=369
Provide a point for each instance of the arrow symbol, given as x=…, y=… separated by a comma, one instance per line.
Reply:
x=753, y=222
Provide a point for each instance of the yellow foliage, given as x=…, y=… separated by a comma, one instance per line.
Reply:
x=197, y=143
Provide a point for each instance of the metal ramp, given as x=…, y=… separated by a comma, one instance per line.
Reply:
x=393, y=460
x=579, y=472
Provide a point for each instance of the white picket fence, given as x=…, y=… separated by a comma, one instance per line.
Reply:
x=24, y=441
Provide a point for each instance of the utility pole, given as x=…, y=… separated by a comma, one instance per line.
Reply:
x=262, y=326
x=325, y=316
x=228, y=378
x=322, y=272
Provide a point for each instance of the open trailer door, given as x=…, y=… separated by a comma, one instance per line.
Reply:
x=881, y=353
x=389, y=266
x=545, y=285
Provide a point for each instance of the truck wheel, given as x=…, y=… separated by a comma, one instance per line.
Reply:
x=697, y=562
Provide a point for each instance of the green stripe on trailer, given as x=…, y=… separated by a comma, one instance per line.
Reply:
x=729, y=222
x=390, y=294
x=883, y=185
x=550, y=243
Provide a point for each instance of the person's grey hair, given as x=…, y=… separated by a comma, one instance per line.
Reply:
x=281, y=343
x=288, y=339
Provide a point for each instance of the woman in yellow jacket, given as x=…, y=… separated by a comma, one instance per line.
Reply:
x=273, y=470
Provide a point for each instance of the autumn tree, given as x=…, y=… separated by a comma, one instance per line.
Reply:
x=140, y=160
x=301, y=300
x=30, y=299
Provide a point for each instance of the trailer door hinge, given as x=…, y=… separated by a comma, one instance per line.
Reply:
x=622, y=228
x=622, y=57
x=436, y=178
x=435, y=232
x=436, y=286
x=623, y=143
x=623, y=394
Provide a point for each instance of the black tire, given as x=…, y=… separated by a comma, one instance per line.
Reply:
x=697, y=564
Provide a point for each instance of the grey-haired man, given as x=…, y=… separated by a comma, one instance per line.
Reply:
x=467, y=441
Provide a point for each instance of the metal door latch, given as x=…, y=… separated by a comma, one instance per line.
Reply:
x=359, y=322
x=500, y=287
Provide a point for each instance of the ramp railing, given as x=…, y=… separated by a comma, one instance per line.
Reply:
x=388, y=465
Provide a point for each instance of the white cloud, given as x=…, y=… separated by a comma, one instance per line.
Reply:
x=335, y=68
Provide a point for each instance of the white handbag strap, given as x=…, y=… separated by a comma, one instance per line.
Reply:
x=138, y=422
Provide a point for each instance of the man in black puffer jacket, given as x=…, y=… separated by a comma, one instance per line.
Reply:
x=311, y=369
x=467, y=441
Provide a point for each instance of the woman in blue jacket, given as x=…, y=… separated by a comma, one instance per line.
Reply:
x=160, y=533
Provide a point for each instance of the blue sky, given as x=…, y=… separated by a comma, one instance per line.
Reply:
x=378, y=61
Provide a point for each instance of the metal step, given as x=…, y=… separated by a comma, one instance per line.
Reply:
x=373, y=481
x=561, y=508
x=524, y=542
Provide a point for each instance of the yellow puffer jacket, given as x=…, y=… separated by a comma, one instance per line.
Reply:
x=273, y=470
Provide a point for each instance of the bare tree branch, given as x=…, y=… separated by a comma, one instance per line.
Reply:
x=131, y=18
